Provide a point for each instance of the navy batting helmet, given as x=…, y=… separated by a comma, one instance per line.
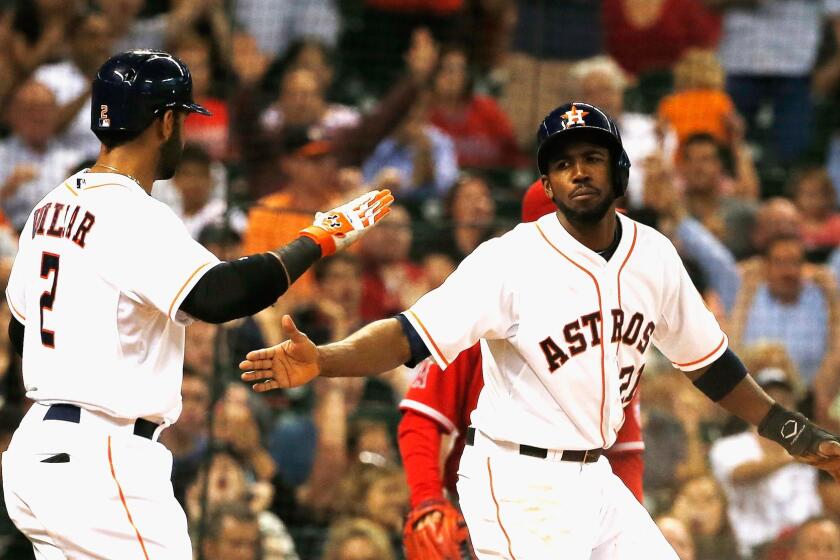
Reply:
x=133, y=87
x=582, y=121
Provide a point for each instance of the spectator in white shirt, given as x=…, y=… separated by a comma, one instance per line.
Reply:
x=194, y=194
x=32, y=161
x=766, y=489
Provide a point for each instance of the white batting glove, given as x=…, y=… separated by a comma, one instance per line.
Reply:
x=340, y=227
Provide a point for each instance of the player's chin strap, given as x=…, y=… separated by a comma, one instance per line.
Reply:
x=793, y=431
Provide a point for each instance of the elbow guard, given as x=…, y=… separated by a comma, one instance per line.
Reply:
x=722, y=376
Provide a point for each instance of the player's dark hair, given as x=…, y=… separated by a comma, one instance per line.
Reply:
x=115, y=138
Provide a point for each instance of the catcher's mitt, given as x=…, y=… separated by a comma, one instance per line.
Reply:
x=446, y=539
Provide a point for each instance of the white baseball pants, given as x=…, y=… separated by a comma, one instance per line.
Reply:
x=519, y=507
x=112, y=499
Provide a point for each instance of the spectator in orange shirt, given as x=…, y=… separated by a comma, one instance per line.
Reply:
x=310, y=180
x=699, y=103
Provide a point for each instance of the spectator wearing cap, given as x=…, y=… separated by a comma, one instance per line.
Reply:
x=766, y=489
x=261, y=144
x=309, y=170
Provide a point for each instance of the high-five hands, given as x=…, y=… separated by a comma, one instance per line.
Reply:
x=340, y=227
x=289, y=364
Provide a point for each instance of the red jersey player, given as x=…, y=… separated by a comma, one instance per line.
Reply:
x=441, y=403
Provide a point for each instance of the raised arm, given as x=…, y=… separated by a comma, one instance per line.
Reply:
x=248, y=285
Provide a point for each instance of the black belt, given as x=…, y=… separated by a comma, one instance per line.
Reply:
x=72, y=413
x=583, y=456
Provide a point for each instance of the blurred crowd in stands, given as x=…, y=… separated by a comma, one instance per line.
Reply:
x=729, y=111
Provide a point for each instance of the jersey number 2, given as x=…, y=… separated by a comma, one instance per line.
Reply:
x=49, y=263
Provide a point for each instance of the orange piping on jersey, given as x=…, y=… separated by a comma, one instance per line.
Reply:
x=104, y=185
x=432, y=340
x=16, y=312
x=618, y=282
x=722, y=340
x=125, y=505
x=627, y=258
x=498, y=513
x=69, y=188
x=171, y=305
x=601, y=312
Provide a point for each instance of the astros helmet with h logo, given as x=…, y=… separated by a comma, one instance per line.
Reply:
x=133, y=87
x=583, y=122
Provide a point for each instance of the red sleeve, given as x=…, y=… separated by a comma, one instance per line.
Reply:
x=535, y=204
x=625, y=456
x=629, y=467
x=444, y=396
x=419, y=441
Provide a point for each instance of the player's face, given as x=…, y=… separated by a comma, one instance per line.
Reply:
x=578, y=181
x=171, y=149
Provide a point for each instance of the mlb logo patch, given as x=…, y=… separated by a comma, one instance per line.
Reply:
x=104, y=121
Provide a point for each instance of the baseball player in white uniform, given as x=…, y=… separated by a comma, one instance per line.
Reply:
x=564, y=309
x=104, y=282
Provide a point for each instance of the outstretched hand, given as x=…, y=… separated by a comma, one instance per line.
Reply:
x=289, y=364
x=827, y=459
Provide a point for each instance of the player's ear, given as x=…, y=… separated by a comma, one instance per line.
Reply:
x=167, y=124
x=546, y=182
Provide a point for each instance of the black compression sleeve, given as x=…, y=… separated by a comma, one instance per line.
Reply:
x=248, y=285
x=16, y=331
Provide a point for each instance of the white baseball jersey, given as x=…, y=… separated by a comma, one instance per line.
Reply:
x=563, y=331
x=100, y=273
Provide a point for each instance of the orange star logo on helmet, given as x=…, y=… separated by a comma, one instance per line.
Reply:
x=574, y=117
